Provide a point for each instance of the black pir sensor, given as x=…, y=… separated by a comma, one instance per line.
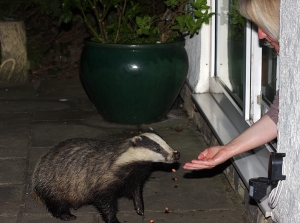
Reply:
x=261, y=186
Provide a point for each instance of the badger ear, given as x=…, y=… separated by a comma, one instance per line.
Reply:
x=136, y=140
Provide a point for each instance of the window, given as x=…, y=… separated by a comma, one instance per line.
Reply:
x=242, y=85
x=269, y=83
x=244, y=67
x=231, y=50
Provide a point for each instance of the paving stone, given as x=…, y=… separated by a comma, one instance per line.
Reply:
x=38, y=105
x=15, y=116
x=213, y=216
x=10, y=200
x=34, y=117
x=87, y=105
x=16, y=148
x=17, y=91
x=65, y=115
x=12, y=171
x=15, y=126
x=47, y=218
x=35, y=154
x=8, y=219
x=62, y=89
x=46, y=134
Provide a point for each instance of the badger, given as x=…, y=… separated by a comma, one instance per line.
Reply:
x=83, y=171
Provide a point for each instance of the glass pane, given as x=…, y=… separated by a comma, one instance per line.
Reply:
x=268, y=78
x=230, y=49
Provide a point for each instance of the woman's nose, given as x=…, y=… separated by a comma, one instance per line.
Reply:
x=261, y=34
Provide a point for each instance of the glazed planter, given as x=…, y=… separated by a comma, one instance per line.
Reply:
x=133, y=84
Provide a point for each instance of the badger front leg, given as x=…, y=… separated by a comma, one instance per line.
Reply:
x=108, y=209
x=138, y=201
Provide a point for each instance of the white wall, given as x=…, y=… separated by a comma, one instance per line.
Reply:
x=288, y=209
x=199, y=52
x=193, y=48
x=198, y=49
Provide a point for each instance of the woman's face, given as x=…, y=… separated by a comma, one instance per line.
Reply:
x=263, y=35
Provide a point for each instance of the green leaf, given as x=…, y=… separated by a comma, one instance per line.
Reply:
x=171, y=3
x=77, y=3
x=145, y=20
x=199, y=4
x=66, y=5
x=176, y=27
x=139, y=21
x=67, y=17
x=198, y=13
x=181, y=21
x=190, y=24
x=85, y=5
x=145, y=31
x=139, y=31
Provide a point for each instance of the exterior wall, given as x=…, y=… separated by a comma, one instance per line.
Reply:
x=193, y=46
x=288, y=209
x=199, y=47
x=233, y=177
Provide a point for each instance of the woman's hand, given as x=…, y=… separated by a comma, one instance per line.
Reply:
x=258, y=134
x=209, y=158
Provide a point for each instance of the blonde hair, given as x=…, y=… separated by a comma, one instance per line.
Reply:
x=264, y=13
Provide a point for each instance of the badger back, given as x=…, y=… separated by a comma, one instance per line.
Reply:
x=72, y=169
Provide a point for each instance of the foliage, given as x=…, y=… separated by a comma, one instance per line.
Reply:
x=52, y=44
x=47, y=41
x=127, y=21
x=38, y=17
x=15, y=9
x=237, y=22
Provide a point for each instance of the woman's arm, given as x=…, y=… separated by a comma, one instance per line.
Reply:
x=261, y=132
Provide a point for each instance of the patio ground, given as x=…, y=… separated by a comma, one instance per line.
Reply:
x=35, y=116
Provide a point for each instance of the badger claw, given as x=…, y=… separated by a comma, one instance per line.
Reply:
x=139, y=211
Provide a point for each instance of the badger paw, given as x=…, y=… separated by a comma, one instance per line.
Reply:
x=67, y=217
x=139, y=211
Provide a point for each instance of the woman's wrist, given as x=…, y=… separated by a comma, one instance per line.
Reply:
x=233, y=148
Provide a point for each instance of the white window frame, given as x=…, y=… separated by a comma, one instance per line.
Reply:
x=254, y=73
x=253, y=163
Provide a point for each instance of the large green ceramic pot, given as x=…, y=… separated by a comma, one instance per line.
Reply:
x=133, y=84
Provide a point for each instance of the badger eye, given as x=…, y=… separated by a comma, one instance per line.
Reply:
x=158, y=150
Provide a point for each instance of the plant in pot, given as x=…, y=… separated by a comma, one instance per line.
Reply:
x=135, y=64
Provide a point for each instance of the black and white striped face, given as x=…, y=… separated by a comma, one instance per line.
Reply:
x=149, y=147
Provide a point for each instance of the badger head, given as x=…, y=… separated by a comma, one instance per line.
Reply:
x=149, y=147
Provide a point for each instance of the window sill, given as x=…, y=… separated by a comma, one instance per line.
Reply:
x=226, y=123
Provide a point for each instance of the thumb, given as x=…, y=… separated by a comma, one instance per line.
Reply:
x=203, y=154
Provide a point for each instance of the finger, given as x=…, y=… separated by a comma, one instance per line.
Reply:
x=194, y=164
x=204, y=163
x=190, y=168
x=197, y=167
x=199, y=162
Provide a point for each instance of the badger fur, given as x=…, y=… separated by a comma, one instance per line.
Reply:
x=83, y=171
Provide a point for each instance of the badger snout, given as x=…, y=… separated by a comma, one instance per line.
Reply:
x=176, y=155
